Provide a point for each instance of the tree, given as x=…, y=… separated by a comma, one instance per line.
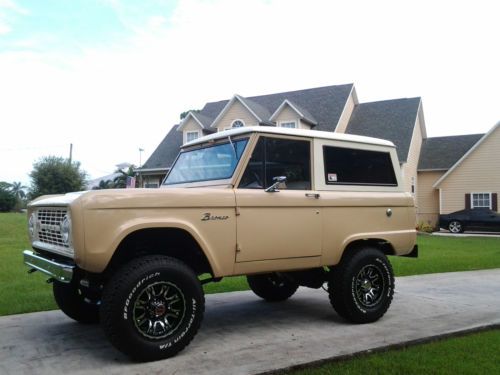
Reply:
x=185, y=113
x=120, y=181
x=104, y=184
x=56, y=175
x=17, y=188
x=7, y=198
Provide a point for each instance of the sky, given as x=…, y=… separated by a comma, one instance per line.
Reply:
x=112, y=76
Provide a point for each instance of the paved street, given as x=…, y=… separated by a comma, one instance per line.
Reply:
x=243, y=335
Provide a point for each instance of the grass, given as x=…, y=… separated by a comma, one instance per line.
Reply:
x=471, y=354
x=20, y=292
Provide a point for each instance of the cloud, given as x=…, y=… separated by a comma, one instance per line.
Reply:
x=8, y=9
x=110, y=98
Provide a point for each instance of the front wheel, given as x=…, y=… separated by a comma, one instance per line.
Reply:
x=455, y=226
x=75, y=303
x=152, y=308
x=362, y=286
x=272, y=287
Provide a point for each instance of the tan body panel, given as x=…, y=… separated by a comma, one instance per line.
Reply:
x=249, y=230
x=109, y=217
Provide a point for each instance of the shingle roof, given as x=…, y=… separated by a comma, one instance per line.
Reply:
x=167, y=150
x=206, y=121
x=444, y=152
x=327, y=104
x=261, y=112
x=393, y=120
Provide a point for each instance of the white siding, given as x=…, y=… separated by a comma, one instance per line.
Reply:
x=236, y=111
x=478, y=173
x=410, y=167
x=427, y=198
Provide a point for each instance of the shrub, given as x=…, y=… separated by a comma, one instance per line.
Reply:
x=425, y=227
x=7, y=200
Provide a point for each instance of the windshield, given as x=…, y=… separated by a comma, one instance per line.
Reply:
x=215, y=162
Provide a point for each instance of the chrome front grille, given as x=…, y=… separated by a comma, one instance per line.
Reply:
x=50, y=226
x=48, y=234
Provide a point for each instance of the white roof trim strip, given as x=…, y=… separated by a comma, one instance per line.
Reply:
x=287, y=131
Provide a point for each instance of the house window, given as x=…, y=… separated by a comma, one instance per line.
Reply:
x=237, y=124
x=191, y=136
x=480, y=200
x=288, y=124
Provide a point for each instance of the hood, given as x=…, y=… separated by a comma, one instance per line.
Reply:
x=157, y=198
x=57, y=199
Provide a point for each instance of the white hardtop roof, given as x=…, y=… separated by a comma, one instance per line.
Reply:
x=288, y=131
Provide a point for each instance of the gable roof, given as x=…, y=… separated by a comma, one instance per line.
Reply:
x=202, y=120
x=469, y=152
x=166, y=152
x=327, y=104
x=255, y=109
x=393, y=120
x=302, y=112
x=440, y=153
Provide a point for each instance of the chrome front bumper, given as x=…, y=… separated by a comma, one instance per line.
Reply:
x=60, y=271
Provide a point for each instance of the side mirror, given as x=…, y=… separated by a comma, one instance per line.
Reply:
x=274, y=187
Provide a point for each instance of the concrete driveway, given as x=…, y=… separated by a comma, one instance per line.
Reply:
x=243, y=335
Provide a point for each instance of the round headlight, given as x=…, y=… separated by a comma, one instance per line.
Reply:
x=31, y=225
x=66, y=229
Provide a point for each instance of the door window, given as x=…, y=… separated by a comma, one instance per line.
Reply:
x=273, y=157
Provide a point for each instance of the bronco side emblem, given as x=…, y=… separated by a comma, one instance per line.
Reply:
x=208, y=216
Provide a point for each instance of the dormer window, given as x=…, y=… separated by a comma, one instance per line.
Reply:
x=191, y=136
x=288, y=124
x=237, y=124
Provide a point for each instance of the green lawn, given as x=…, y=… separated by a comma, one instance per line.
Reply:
x=476, y=353
x=27, y=293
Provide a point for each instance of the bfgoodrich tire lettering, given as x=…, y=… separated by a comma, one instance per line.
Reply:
x=152, y=308
x=362, y=286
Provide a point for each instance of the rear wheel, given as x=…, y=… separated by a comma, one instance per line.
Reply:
x=75, y=303
x=362, y=286
x=152, y=308
x=272, y=286
x=455, y=226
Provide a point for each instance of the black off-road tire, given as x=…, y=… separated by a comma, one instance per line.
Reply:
x=362, y=285
x=272, y=286
x=75, y=304
x=152, y=308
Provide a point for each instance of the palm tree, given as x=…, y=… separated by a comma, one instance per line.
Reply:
x=121, y=180
x=104, y=184
x=17, y=188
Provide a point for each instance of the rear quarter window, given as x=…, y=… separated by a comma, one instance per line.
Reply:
x=350, y=166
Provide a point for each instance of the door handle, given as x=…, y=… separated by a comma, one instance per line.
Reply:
x=312, y=195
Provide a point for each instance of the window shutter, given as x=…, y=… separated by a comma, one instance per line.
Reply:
x=494, y=201
x=467, y=201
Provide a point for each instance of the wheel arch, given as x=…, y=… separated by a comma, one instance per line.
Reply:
x=175, y=242
x=356, y=245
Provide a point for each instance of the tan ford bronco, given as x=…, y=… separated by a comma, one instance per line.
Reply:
x=285, y=207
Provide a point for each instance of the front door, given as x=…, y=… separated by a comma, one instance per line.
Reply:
x=281, y=224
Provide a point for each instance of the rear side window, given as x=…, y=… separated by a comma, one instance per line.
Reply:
x=348, y=166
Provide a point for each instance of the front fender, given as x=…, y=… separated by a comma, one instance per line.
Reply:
x=106, y=229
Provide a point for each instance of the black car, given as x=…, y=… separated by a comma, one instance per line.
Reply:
x=478, y=219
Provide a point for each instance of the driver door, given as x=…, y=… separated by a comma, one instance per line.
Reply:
x=282, y=224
